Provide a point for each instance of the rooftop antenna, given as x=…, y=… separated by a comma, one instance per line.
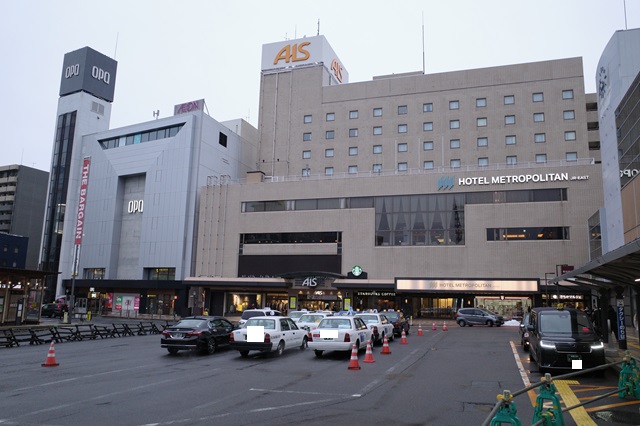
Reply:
x=318, y=26
x=115, y=51
x=156, y=114
x=423, y=57
x=625, y=14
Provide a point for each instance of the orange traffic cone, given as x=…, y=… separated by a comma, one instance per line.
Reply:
x=51, y=357
x=444, y=326
x=353, y=363
x=385, y=347
x=433, y=327
x=368, y=356
x=403, y=338
x=420, y=330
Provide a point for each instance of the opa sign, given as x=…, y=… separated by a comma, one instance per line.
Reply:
x=100, y=74
x=135, y=206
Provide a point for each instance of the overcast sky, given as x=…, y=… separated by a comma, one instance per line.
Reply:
x=170, y=52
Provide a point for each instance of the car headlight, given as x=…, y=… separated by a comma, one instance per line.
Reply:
x=547, y=344
x=598, y=345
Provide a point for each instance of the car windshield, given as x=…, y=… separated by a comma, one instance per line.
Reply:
x=369, y=319
x=189, y=323
x=565, y=322
x=335, y=323
x=268, y=324
x=296, y=314
x=311, y=318
x=393, y=316
x=250, y=314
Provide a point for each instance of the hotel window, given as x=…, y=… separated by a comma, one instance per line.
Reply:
x=308, y=119
x=377, y=149
x=483, y=161
x=353, y=151
x=570, y=135
x=540, y=138
x=328, y=171
x=481, y=102
x=454, y=124
x=509, y=119
x=538, y=97
x=377, y=112
x=353, y=170
x=538, y=117
x=455, y=163
x=509, y=100
x=512, y=160
x=482, y=122
x=306, y=154
x=402, y=109
x=510, y=140
x=377, y=130
x=402, y=147
x=353, y=133
x=569, y=115
x=331, y=116
x=427, y=165
x=541, y=158
x=328, y=152
x=377, y=168
x=428, y=107
x=402, y=167
x=330, y=134
x=306, y=136
x=571, y=156
x=353, y=115
x=402, y=128
x=454, y=143
x=483, y=141
x=567, y=94
x=428, y=126
x=454, y=105
x=306, y=171
x=427, y=146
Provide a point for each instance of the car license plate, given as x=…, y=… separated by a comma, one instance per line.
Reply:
x=177, y=335
x=574, y=357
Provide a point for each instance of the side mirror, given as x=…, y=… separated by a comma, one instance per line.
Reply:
x=530, y=327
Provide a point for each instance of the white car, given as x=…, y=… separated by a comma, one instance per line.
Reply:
x=310, y=320
x=250, y=313
x=268, y=334
x=380, y=326
x=295, y=315
x=339, y=334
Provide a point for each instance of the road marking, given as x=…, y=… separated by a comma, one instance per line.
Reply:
x=579, y=414
x=298, y=392
x=523, y=374
x=371, y=385
x=88, y=376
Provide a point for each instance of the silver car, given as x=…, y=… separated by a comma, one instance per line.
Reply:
x=477, y=316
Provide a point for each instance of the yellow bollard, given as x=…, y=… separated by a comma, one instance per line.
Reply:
x=89, y=316
x=65, y=319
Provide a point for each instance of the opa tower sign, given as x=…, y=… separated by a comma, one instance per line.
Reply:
x=86, y=70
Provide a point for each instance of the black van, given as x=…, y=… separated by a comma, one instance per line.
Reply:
x=559, y=336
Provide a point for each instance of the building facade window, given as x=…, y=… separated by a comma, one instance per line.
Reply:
x=455, y=163
x=571, y=156
x=454, y=105
x=306, y=154
x=510, y=140
x=509, y=119
x=509, y=100
x=512, y=160
x=306, y=171
x=541, y=158
x=483, y=161
x=330, y=134
x=353, y=133
x=427, y=165
x=402, y=128
x=540, y=137
x=403, y=147
x=481, y=122
x=353, y=115
x=538, y=117
x=164, y=274
x=94, y=273
x=402, y=110
x=481, y=102
x=454, y=143
x=427, y=127
x=377, y=149
x=377, y=112
x=567, y=94
x=569, y=114
x=402, y=167
x=570, y=135
x=454, y=124
x=308, y=119
x=353, y=150
x=538, y=97
x=377, y=168
x=328, y=171
x=427, y=107
x=427, y=146
x=523, y=233
x=306, y=137
x=331, y=116
x=353, y=170
x=328, y=152
x=483, y=141
x=377, y=130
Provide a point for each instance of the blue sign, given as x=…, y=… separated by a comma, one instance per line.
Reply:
x=622, y=329
x=445, y=182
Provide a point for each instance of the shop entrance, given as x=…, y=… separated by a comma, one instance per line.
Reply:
x=438, y=307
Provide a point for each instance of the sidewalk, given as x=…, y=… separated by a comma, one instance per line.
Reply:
x=613, y=352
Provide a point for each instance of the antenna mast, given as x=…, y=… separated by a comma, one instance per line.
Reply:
x=115, y=51
x=423, y=57
x=625, y=14
x=318, y=26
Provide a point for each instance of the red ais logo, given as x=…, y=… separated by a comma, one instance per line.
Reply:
x=336, y=69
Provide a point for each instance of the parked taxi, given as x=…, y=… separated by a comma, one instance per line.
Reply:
x=339, y=334
x=268, y=334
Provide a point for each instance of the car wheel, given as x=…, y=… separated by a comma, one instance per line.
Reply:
x=490, y=323
x=280, y=348
x=318, y=354
x=244, y=354
x=304, y=345
x=211, y=346
x=357, y=345
x=525, y=348
x=462, y=323
x=172, y=351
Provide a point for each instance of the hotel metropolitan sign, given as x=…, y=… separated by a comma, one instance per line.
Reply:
x=449, y=285
x=448, y=182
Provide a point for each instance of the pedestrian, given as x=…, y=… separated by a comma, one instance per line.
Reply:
x=613, y=320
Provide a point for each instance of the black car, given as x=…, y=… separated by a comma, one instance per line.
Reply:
x=524, y=333
x=399, y=322
x=53, y=310
x=560, y=336
x=204, y=334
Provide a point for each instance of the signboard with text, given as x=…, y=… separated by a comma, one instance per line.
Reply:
x=454, y=285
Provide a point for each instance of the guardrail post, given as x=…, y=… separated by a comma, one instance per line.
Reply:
x=507, y=412
x=552, y=416
x=628, y=379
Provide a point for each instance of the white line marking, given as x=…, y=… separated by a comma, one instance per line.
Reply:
x=523, y=372
x=300, y=392
x=88, y=376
